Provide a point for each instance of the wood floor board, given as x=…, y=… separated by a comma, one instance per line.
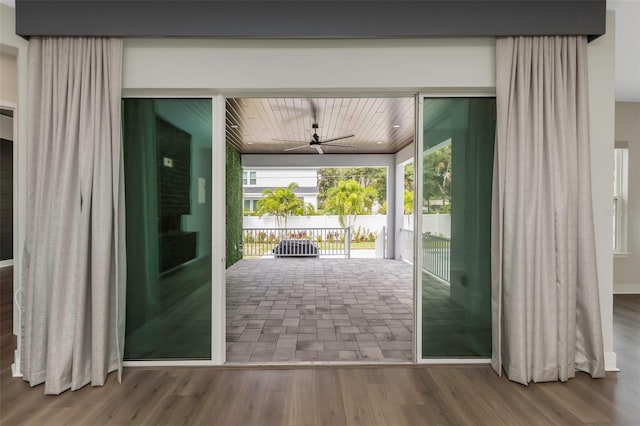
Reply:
x=332, y=396
x=302, y=405
x=274, y=409
x=331, y=405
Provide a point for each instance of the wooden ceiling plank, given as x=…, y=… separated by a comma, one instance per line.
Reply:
x=370, y=119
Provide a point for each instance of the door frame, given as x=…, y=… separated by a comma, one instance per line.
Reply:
x=14, y=181
x=218, y=241
x=218, y=344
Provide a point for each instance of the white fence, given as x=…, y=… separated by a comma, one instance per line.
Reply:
x=437, y=224
x=373, y=223
x=435, y=253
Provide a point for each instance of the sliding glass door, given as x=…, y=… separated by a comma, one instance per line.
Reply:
x=167, y=159
x=455, y=255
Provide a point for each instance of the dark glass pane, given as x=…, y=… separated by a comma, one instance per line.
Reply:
x=167, y=159
x=459, y=136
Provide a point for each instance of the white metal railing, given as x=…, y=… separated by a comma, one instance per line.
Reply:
x=436, y=257
x=296, y=242
x=436, y=252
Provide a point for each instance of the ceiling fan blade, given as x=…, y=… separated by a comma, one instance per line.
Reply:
x=337, y=144
x=296, y=147
x=295, y=117
x=317, y=147
x=337, y=139
x=287, y=141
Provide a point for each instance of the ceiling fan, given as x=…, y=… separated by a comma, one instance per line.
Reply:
x=316, y=143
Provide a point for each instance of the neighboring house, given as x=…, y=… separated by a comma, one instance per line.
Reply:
x=255, y=181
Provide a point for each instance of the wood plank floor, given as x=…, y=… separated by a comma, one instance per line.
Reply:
x=407, y=395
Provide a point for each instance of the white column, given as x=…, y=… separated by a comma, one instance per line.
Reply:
x=391, y=214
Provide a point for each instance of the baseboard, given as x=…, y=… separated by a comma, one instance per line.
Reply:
x=620, y=288
x=610, y=360
x=15, y=367
x=6, y=263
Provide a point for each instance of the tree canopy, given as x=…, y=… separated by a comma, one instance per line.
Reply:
x=348, y=199
x=281, y=203
x=375, y=177
x=437, y=177
x=408, y=202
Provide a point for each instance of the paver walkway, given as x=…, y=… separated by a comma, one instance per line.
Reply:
x=290, y=309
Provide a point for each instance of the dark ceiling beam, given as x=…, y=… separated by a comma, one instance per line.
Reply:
x=309, y=18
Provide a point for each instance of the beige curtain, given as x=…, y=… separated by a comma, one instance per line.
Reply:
x=73, y=290
x=545, y=306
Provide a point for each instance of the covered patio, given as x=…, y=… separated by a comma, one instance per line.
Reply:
x=342, y=303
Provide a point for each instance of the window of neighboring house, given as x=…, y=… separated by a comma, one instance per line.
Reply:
x=620, y=194
x=248, y=178
x=250, y=205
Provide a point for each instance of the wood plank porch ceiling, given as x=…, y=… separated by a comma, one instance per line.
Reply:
x=271, y=125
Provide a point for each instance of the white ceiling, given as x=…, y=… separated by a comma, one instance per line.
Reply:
x=627, y=47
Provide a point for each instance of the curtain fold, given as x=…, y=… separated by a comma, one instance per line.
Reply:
x=545, y=304
x=74, y=268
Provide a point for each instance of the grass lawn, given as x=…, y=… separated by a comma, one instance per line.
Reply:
x=367, y=245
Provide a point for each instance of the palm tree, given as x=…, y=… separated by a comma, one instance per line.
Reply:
x=281, y=203
x=348, y=200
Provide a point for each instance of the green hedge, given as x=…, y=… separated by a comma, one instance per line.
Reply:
x=234, y=206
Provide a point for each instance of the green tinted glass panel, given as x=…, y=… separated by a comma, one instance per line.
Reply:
x=167, y=159
x=459, y=135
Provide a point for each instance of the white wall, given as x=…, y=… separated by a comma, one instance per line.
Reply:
x=307, y=67
x=8, y=78
x=602, y=122
x=6, y=127
x=283, y=65
x=626, y=270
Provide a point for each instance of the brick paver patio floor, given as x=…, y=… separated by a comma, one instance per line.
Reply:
x=281, y=310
